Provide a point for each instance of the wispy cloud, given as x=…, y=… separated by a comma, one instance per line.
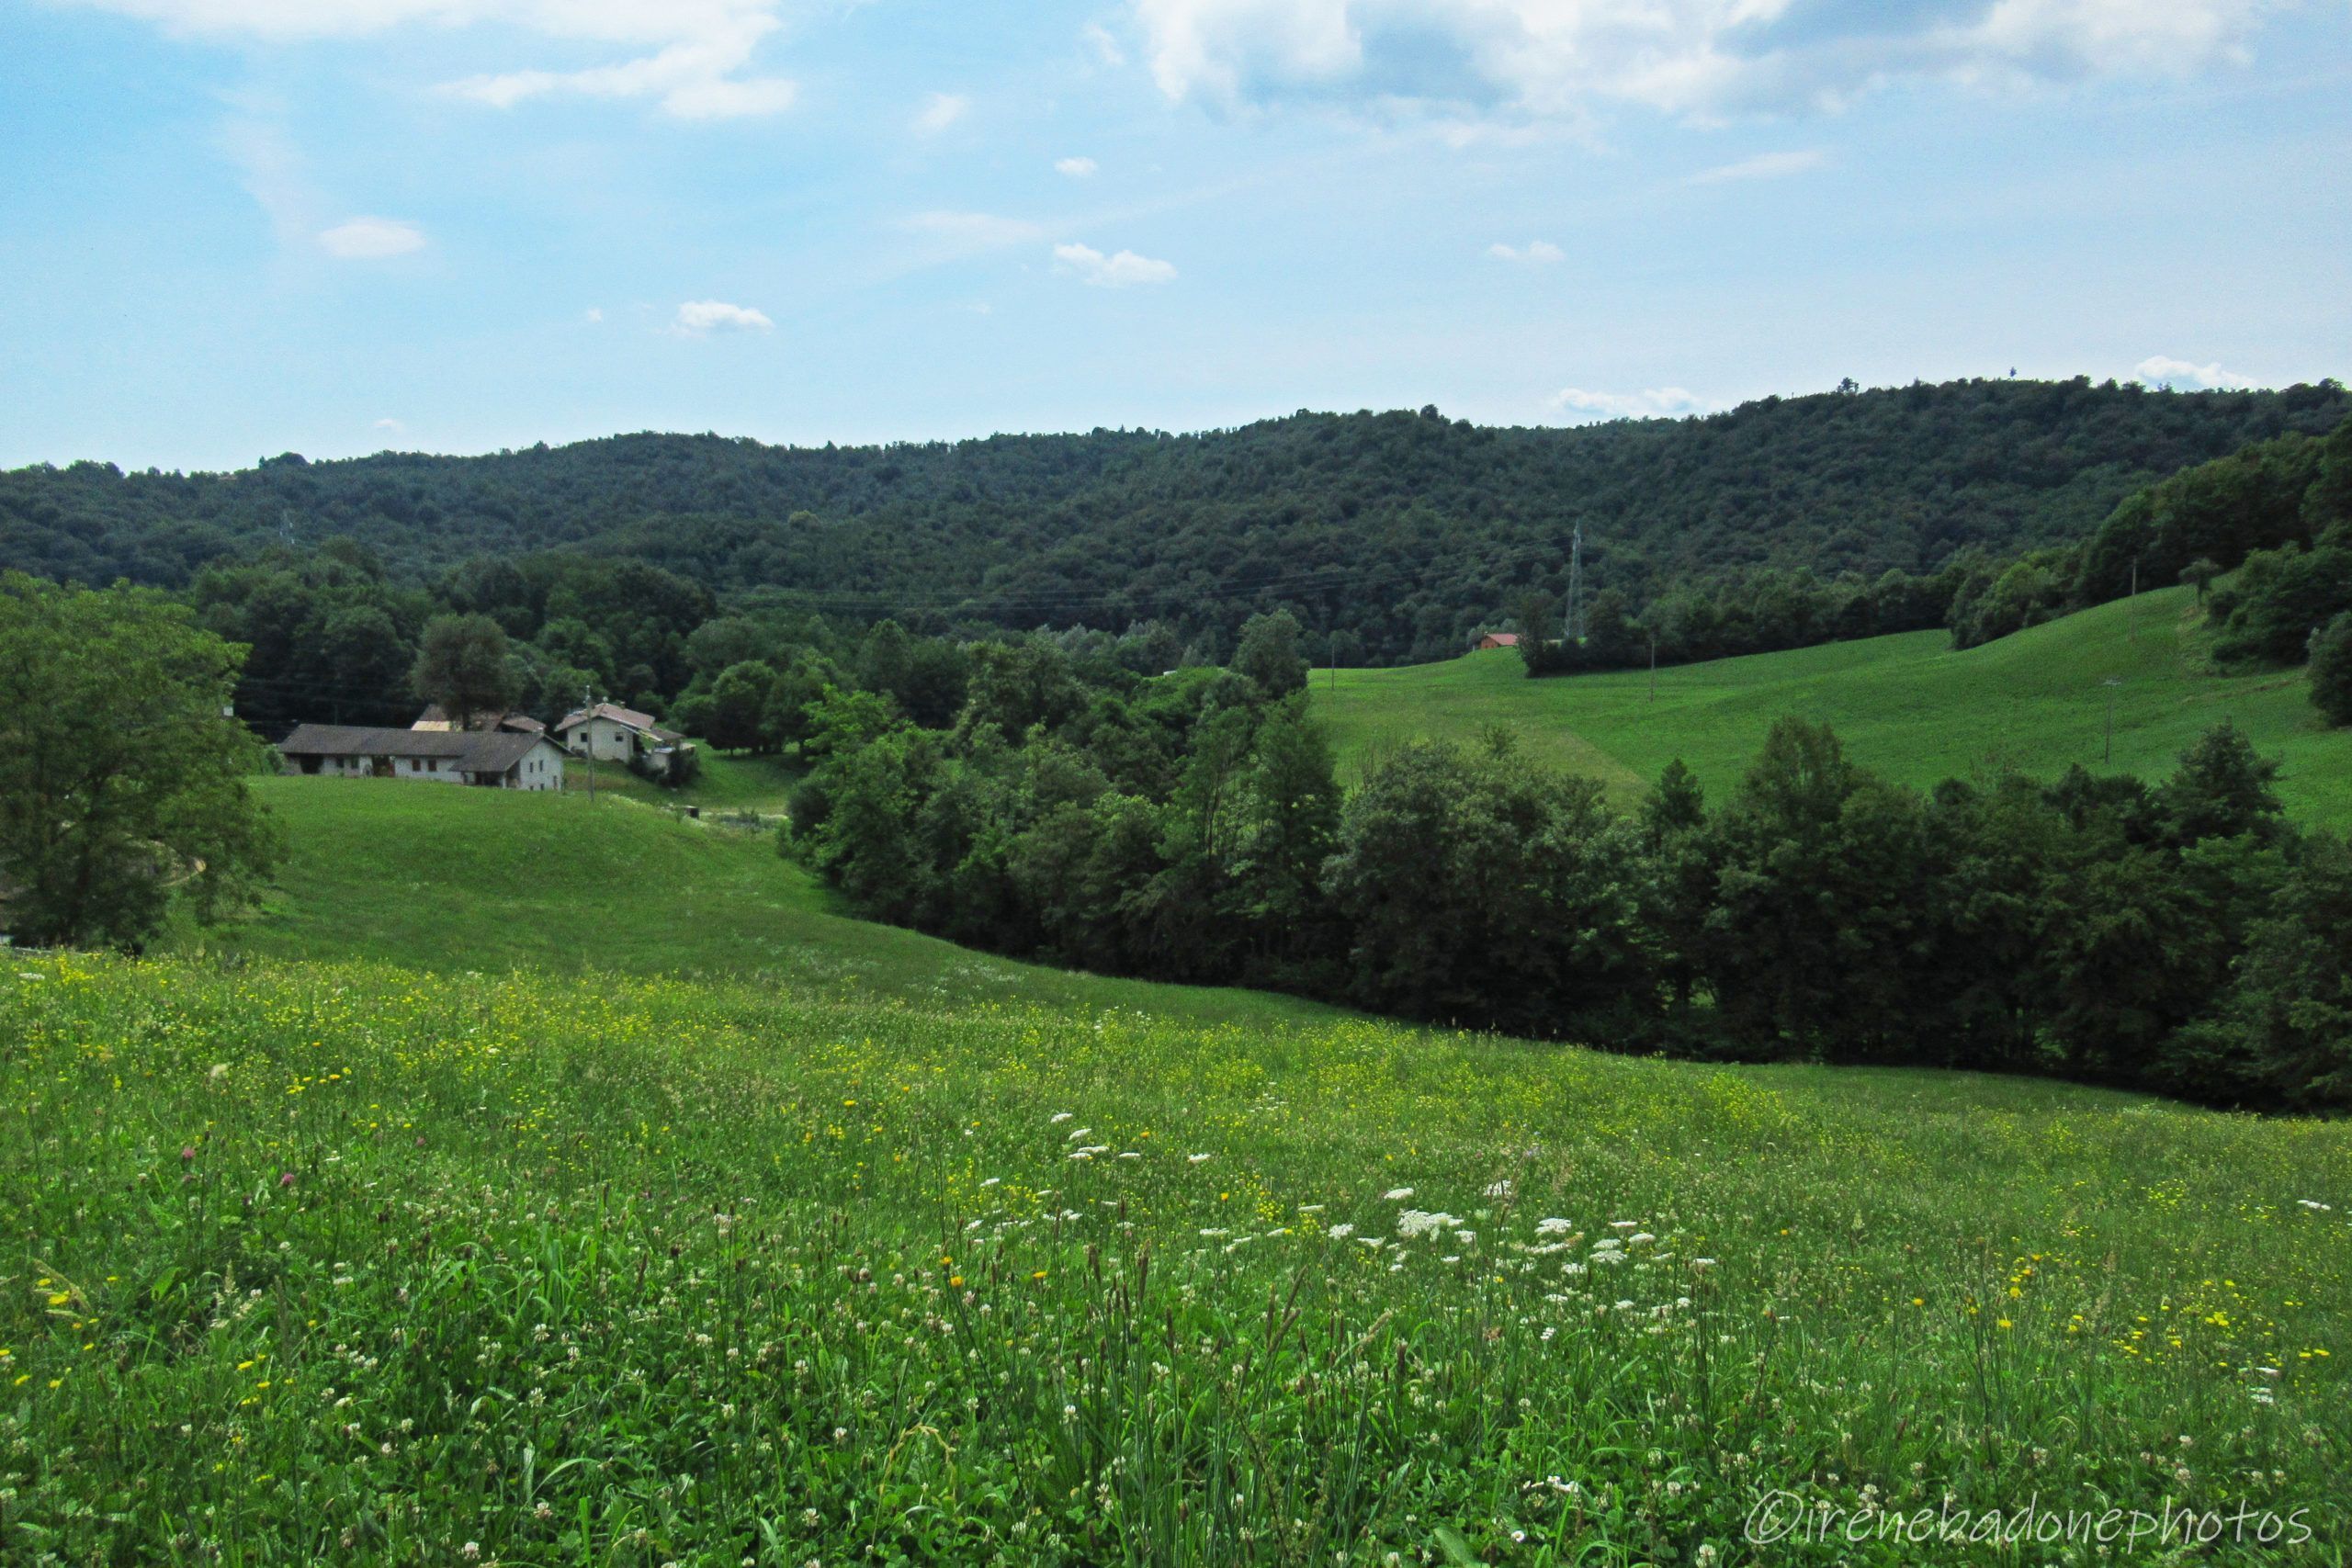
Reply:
x=1531, y=60
x=2182, y=376
x=699, y=318
x=692, y=57
x=1076, y=168
x=371, y=238
x=1121, y=270
x=1535, y=252
x=1101, y=45
x=1580, y=406
x=1763, y=166
x=939, y=111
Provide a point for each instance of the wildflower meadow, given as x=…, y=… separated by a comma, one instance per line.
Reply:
x=344, y=1263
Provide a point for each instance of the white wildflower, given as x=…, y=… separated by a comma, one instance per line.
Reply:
x=1396, y=1194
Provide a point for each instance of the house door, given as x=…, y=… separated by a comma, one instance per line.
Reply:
x=380, y=767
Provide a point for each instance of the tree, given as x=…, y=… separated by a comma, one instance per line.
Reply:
x=1269, y=654
x=2222, y=789
x=122, y=778
x=736, y=718
x=2331, y=670
x=463, y=665
x=1820, y=894
x=2199, y=573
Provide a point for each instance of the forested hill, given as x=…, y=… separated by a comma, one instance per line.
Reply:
x=1404, y=529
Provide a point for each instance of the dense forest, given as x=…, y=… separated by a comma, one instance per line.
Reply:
x=2180, y=936
x=1391, y=536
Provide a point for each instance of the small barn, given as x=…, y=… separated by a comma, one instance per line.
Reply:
x=1498, y=639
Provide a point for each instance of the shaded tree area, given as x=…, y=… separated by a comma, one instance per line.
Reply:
x=1395, y=534
x=122, y=783
x=2181, y=937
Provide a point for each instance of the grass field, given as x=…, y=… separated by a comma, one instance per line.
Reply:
x=1908, y=706
x=325, y=1262
x=436, y=878
x=728, y=783
x=531, y=1182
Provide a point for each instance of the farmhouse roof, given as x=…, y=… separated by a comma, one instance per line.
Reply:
x=613, y=711
x=361, y=740
x=1501, y=640
x=474, y=751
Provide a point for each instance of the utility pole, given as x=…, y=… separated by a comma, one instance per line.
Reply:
x=1576, y=585
x=2131, y=610
x=1653, y=666
x=2107, y=760
x=588, y=727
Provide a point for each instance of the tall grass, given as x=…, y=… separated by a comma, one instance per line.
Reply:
x=344, y=1263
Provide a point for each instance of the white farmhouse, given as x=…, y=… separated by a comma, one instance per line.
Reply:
x=611, y=733
x=494, y=759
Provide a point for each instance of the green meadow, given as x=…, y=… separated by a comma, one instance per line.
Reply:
x=540, y=1181
x=446, y=879
x=1908, y=706
x=342, y=1262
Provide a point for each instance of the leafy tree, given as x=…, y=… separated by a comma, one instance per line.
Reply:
x=2332, y=671
x=1289, y=817
x=122, y=778
x=361, y=644
x=462, y=665
x=2222, y=789
x=1820, y=891
x=2200, y=572
x=1269, y=653
x=736, y=720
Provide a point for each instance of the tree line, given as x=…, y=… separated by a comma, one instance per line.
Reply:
x=2181, y=937
x=2277, y=514
x=1390, y=536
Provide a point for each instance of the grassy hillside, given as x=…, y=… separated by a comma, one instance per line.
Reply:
x=334, y=1263
x=1908, y=706
x=727, y=785
x=443, y=878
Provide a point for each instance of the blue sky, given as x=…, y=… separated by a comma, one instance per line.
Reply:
x=232, y=227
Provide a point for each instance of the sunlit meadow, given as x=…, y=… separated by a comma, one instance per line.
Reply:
x=345, y=1263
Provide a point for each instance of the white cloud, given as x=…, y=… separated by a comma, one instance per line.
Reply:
x=1106, y=48
x=697, y=318
x=1763, y=166
x=593, y=315
x=694, y=56
x=1535, y=252
x=1117, y=271
x=371, y=238
x=1538, y=59
x=1076, y=168
x=390, y=426
x=1578, y=406
x=2180, y=376
x=939, y=111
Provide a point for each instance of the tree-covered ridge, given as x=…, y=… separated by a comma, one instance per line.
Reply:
x=1400, y=532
